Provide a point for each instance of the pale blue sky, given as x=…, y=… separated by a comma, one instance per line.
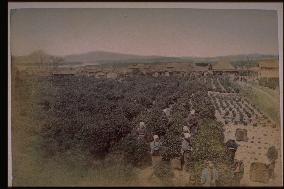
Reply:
x=169, y=32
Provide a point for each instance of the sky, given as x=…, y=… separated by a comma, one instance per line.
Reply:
x=164, y=32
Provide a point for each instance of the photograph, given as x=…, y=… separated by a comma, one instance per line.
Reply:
x=141, y=94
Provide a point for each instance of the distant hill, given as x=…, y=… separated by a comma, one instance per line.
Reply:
x=232, y=58
x=36, y=57
x=249, y=57
x=121, y=59
x=104, y=57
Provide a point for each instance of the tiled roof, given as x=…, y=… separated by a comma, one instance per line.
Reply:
x=268, y=63
x=223, y=65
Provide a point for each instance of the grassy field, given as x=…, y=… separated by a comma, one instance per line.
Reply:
x=266, y=99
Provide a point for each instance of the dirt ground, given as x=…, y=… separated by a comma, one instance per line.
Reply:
x=146, y=178
x=259, y=140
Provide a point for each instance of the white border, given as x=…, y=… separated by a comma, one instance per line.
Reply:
x=280, y=49
x=9, y=109
x=262, y=6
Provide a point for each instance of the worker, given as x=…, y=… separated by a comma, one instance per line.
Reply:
x=231, y=148
x=192, y=122
x=209, y=174
x=271, y=168
x=185, y=129
x=155, y=150
x=155, y=146
x=168, y=111
x=186, y=151
x=238, y=172
x=141, y=130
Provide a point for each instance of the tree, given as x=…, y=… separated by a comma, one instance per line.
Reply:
x=208, y=143
x=135, y=151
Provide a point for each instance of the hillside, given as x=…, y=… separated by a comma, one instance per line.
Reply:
x=104, y=57
x=36, y=57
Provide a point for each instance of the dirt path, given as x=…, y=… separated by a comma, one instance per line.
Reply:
x=146, y=178
x=221, y=85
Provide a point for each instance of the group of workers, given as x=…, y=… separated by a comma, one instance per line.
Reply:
x=209, y=174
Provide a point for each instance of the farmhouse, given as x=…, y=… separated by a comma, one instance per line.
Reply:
x=122, y=71
x=135, y=69
x=268, y=69
x=111, y=75
x=206, y=69
x=223, y=67
x=167, y=74
x=88, y=70
x=100, y=74
x=155, y=74
x=182, y=67
x=63, y=72
x=155, y=70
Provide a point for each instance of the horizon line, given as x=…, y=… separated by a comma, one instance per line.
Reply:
x=134, y=54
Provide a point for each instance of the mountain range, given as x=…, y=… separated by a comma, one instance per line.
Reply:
x=104, y=57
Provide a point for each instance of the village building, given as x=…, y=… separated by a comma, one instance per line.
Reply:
x=64, y=72
x=137, y=69
x=89, y=70
x=268, y=69
x=247, y=73
x=111, y=75
x=205, y=69
x=169, y=69
x=100, y=74
x=222, y=67
x=167, y=74
x=179, y=73
x=121, y=71
x=155, y=74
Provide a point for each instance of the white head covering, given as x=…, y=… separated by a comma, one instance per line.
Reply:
x=185, y=128
x=186, y=135
x=142, y=124
x=156, y=137
x=167, y=111
x=192, y=112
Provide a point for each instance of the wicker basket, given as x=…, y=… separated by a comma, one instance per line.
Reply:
x=259, y=172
